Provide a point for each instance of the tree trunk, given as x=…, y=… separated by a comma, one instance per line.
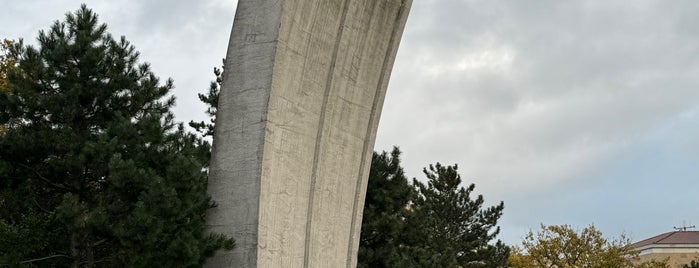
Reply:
x=90, y=255
x=75, y=249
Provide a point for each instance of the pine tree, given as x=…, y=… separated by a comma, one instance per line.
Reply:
x=387, y=197
x=93, y=169
x=447, y=228
x=211, y=100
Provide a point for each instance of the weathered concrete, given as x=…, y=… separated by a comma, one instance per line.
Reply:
x=301, y=99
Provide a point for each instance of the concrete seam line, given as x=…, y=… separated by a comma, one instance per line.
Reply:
x=319, y=135
x=362, y=165
x=370, y=124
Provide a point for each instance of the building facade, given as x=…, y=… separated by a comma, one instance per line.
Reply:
x=679, y=248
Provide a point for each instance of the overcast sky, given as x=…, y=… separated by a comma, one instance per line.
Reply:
x=571, y=112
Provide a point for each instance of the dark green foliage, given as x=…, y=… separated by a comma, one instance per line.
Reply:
x=388, y=195
x=93, y=170
x=211, y=100
x=693, y=264
x=437, y=224
x=447, y=228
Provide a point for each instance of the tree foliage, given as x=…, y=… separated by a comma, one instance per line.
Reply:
x=664, y=263
x=561, y=246
x=7, y=62
x=387, y=197
x=211, y=100
x=438, y=224
x=448, y=227
x=93, y=169
x=693, y=264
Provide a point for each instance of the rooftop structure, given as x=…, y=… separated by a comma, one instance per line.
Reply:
x=679, y=247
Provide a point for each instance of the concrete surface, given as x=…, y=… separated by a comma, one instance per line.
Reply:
x=297, y=118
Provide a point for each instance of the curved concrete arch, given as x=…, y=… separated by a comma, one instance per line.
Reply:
x=296, y=124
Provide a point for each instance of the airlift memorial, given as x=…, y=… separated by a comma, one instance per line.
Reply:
x=297, y=116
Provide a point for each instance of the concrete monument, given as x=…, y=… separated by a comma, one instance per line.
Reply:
x=302, y=94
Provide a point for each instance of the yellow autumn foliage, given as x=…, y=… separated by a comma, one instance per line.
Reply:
x=6, y=62
x=561, y=246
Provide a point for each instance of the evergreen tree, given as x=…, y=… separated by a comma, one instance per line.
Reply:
x=447, y=228
x=387, y=197
x=93, y=169
x=211, y=100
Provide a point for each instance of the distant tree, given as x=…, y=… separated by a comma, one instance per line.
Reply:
x=93, y=169
x=693, y=264
x=387, y=197
x=7, y=62
x=447, y=227
x=652, y=264
x=562, y=247
x=211, y=101
x=518, y=259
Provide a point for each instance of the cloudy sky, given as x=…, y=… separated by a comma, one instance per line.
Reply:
x=571, y=112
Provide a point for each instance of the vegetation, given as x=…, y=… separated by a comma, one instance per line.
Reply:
x=436, y=224
x=693, y=264
x=93, y=169
x=449, y=228
x=211, y=100
x=385, y=209
x=562, y=247
x=6, y=62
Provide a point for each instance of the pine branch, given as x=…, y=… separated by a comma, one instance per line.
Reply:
x=53, y=184
x=40, y=207
x=99, y=242
x=41, y=259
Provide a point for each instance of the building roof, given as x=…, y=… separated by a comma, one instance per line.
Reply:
x=676, y=237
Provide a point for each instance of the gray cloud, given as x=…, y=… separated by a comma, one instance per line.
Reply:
x=569, y=111
x=532, y=97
